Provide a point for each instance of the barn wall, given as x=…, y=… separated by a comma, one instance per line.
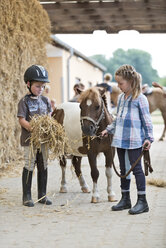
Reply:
x=24, y=31
x=78, y=69
x=55, y=77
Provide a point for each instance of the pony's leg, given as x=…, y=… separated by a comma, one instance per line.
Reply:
x=76, y=161
x=163, y=134
x=94, y=175
x=63, y=188
x=164, y=118
x=109, y=174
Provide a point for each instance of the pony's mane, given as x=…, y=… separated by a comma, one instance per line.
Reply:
x=105, y=101
x=92, y=94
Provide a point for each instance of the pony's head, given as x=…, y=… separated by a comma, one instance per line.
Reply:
x=92, y=110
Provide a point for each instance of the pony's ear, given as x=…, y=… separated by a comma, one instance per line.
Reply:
x=79, y=91
x=102, y=91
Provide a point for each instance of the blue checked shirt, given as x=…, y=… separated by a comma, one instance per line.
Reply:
x=133, y=124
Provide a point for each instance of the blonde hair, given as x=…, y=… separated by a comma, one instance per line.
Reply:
x=108, y=77
x=129, y=73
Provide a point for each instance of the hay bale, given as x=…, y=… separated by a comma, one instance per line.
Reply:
x=24, y=31
x=46, y=130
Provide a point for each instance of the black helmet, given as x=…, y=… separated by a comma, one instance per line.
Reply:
x=36, y=73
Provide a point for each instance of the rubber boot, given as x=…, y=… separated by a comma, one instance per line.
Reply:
x=26, y=184
x=42, y=185
x=124, y=203
x=141, y=206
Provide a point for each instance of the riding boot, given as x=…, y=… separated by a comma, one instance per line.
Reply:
x=141, y=206
x=42, y=184
x=26, y=184
x=124, y=203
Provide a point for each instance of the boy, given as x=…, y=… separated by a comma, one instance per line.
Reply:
x=33, y=103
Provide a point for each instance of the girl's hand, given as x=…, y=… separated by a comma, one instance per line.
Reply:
x=104, y=133
x=146, y=145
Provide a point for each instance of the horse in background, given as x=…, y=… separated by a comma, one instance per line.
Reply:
x=115, y=93
x=156, y=98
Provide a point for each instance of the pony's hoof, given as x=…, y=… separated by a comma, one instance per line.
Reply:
x=95, y=199
x=63, y=189
x=85, y=190
x=111, y=198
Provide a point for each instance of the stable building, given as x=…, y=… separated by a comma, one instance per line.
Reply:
x=66, y=67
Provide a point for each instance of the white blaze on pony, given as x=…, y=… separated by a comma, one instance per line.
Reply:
x=89, y=102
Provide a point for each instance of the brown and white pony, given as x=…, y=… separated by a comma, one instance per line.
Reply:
x=94, y=118
x=68, y=115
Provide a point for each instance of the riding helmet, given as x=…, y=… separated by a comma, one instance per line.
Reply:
x=36, y=73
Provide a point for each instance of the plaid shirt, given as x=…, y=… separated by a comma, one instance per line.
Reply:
x=133, y=123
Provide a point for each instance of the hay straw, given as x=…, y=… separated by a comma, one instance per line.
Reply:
x=157, y=182
x=46, y=130
x=24, y=31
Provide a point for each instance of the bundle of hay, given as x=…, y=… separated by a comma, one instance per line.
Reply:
x=157, y=182
x=46, y=130
x=24, y=31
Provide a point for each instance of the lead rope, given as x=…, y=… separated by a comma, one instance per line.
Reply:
x=146, y=163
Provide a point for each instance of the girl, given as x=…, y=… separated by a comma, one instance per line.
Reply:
x=132, y=129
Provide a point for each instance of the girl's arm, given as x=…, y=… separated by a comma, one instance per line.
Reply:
x=146, y=120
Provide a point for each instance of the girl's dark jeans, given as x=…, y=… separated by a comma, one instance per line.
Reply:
x=133, y=154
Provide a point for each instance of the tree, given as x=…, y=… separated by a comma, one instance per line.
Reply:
x=141, y=60
x=162, y=81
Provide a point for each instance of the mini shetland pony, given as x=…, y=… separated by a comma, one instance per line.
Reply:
x=94, y=119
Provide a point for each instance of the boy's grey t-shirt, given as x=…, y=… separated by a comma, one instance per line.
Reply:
x=28, y=107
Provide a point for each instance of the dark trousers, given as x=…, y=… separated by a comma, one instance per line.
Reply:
x=137, y=171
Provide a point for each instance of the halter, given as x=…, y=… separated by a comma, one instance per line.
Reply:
x=95, y=123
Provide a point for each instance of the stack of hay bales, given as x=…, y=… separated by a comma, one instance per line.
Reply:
x=24, y=31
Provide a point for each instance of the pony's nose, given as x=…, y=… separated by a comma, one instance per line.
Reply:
x=88, y=130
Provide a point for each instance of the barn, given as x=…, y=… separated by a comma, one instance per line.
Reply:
x=66, y=67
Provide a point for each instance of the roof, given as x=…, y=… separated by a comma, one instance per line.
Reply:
x=58, y=43
x=85, y=16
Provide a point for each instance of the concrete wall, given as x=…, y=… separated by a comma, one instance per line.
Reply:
x=65, y=71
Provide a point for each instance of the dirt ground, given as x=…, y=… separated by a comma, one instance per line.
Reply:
x=73, y=222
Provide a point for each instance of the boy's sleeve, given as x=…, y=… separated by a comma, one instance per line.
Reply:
x=146, y=118
x=22, y=109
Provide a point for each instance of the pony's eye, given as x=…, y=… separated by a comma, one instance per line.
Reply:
x=97, y=107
